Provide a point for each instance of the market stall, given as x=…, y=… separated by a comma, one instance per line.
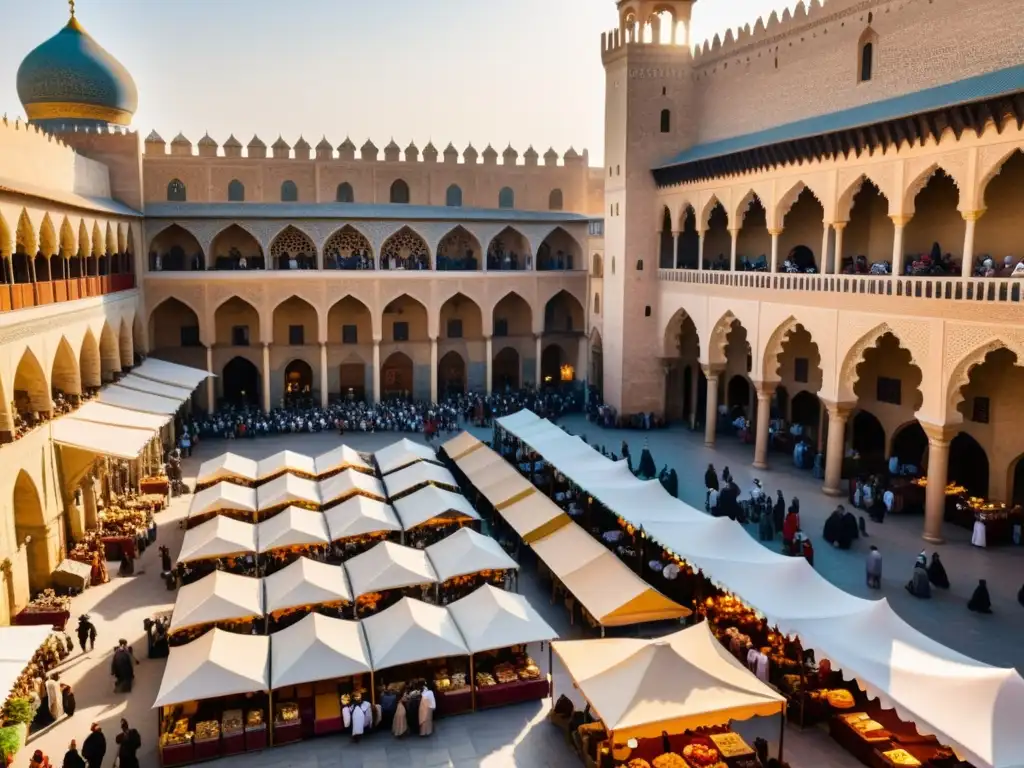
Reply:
x=170, y=391
x=284, y=491
x=348, y=483
x=171, y=373
x=216, y=539
x=497, y=626
x=213, y=698
x=402, y=454
x=385, y=574
x=229, y=467
x=674, y=685
x=304, y=587
x=460, y=446
x=505, y=487
x=133, y=400
x=431, y=513
x=46, y=609
x=338, y=460
x=285, y=462
x=223, y=498
x=294, y=533
x=319, y=666
x=413, y=641
x=416, y=476
x=124, y=527
x=220, y=600
x=466, y=560
x=358, y=524
x=534, y=517
x=89, y=550
x=20, y=648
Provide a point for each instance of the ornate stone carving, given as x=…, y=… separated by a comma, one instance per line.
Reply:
x=346, y=241
x=404, y=244
x=292, y=241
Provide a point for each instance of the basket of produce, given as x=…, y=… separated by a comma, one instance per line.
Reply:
x=669, y=760
x=700, y=755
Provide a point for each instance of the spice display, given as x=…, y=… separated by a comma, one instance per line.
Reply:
x=700, y=755
x=254, y=718
x=287, y=712
x=638, y=762
x=231, y=722
x=48, y=600
x=484, y=680
x=669, y=760
x=505, y=673
x=207, y=730
x=118, y=521
x=174, y=739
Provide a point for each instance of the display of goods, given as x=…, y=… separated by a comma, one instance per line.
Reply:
x=840, y=698
x=901, y=757
x=484, y=680
x=731, y=744
x=287, y=712
x=669, y=760
x=181, y=726
x=638, y=762
x=48, y=600
x=854, y=717
x=505, y=673
x=529, y=672
x=397, y=688
x=254, y=718
x=442, y=684
x=792, y=683
x=700, y=755
x=458, y=681
x=207, y=730
x=175, y=739
x=231, y=722
x=867, y=726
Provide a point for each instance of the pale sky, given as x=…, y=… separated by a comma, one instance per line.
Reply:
x=486, y=71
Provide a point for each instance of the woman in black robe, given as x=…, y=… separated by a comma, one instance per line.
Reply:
x=833, y=528
x=779, y=512
x=980, y=601
x=937, y=572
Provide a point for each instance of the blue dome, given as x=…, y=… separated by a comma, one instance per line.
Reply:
x=71, y=79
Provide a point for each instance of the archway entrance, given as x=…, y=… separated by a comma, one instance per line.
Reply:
x=241, y=382
x=738, y=397
x=396, y=379
x=910, y=444
x=596, y=378
x=451, y=374
x=30, y=528
x=805, y=410
x=868, y=437
x=505, y=370
x=968, y=465
x=353, y=380
x=551, y=361
x=1017, y=483
x=298, y=382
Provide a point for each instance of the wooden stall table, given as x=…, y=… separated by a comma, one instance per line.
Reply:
x=158, y=486
x=287, y=723
x=232, y=732
x=327, y=714
x=208, y=748
x=115, y=547
x=454, y=702
x=182, y=753
x=512, y=693
x=39, y=617
x=255, y=731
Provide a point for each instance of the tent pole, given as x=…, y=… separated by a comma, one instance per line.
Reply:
x=551, y=673
x=472, y=683
x=270, y=718
x=373, y=690
x=782, y=730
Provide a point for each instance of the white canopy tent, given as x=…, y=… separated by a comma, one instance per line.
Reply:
x=221, y=497
x=227, y=466
x=294, y=527
x=139, y=384
x=305, y=582
x=465, y=552
x=359, y=516
x=901, y=666
x=220, y=596
x=104, y=439
x=341, y=458
x=506, y=489
x=99, y=413
x=411, y=631
x=389, y=566
x=287, y=490
x=416, y=476
x=535, y=516
x=285, y=461
x=171, y=373
x=431, y=502
x=461, y=445
x=348, y=483
x=474, y=464
x=133, y=400
x=218, y=537
x=217, y=664
x=490, y=618
x=402, y=454
x=17, y=647
x=318, y=648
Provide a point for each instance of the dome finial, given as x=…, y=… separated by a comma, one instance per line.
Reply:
x=72, y=4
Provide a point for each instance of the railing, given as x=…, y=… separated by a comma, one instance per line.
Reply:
x=987, y=289
x=24, y=295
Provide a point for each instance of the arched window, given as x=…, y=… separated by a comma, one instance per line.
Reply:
x=867, y=53
x=236, y=191
x=176, y=191
x=597, y=304
x=639, y=265
x=453, y=197
x=506, y=198
x=666, y=120
x=344, y=193
x=555, y=200
x=289, y=192
x=400, y=192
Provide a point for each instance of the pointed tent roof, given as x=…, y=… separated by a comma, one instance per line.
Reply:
x=358, y=516
x=218, y=537
x=217, y=664
x=349, y=483
x=286, y=461
x=342, y=457
x=227, y=466
x=465, y=552
x=403, y=453
x=490, y=618
x=305, y=582
x=460, y=445
x=222, y=496
x=318, y=648
x=419, y=474
x=640, y=688
x=389, y=566
x=430, y=502
x=287, y=489
x=294, y=527
x=411, y=631
x=219, y=596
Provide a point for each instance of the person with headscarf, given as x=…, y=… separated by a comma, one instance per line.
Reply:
x=873, y=567
x=646, y=469
x=779, y=512
x=980, y=602
x=71, y=758
x=791, y=527
x=1018, y=271
x=937, y=572
x=918, y=585
x=832, y=532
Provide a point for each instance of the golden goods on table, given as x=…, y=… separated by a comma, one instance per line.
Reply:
x=840, y=698
x=207, y=730
x=638, y=762
x=48, y=600
x=287, y=712
x=175, y=739
x=231, y=722
x=505, y=673
x=254, y=718
x=484, y=680
x=901, y=757
x=700, y=754
x=669, y=760
x=731, y=744
x=952, y=489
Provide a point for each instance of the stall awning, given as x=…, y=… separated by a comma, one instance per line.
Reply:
x=474, y=464
x=294, y=527
x=287, y=489
x=490, y=618
x=417, y=475
x=139, y=384
x=359, y=516
x=220, y=596
x=215, y=665
x=103, y=439
x=227, y=466
x=171, y=373
x=17, y=647
x=388, y=566
x=432, y=502
x=506, y=489
x=339, y=458
x=318, y=648
x=99, y=413
x=305, y=582
x=134, y=400
x=285, y=461
x=350, y=482
x=460, y=445
x=402, y=454
x=535, y=516
x=411, y=631
x=218, y=537
x=221, y=497
x=465, y=552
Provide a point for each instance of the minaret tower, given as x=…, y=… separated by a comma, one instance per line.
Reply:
x=649, y=116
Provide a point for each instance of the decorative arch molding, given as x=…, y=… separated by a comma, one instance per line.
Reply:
x=48, y=245
x=313, y=237
x=452, y=229
x=786, y=201
x=849, y=190
x=773, y=349
x=990, y=164
x=718, y=338
x=669, y=335
x=356, y=226
x=919, y=172
x=961, y=372
x=186, y=300
x=739, y=211
x=68, y=244
x=707, y=208
x=912, y=336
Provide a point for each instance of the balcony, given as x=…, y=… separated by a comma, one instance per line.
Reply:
x=25, y=295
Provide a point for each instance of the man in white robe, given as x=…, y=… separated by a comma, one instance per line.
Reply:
x=54, y=697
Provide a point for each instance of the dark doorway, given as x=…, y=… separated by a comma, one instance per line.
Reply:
x=396, y=376
x=687, y=393
x=551, y=365
x=451, y=374
x=505, y=370
x=805, y=410
x=241, y=381
x=353, y=381
x=968, y=465
x=298, y=382
x=1017, y=490
x=738, y=397
x=868, y=436
x=909, y=444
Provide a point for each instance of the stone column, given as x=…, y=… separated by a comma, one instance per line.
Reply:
x=675, y=249
x=266, y=378
x=539, y=350
x=764, y=410
x=433, y=370
x=899, y=222
x=376, y=371
x=700, y=251
x=490, y=371
x=837, y=416
x=774, y=266
x=938, y=477
x=837, y=262
x=323, y=375
x=825, y=232
x=971, y=220
x=694, y=399
x=734, y=241
x=711, y=416
x=211, y=385
x=88, y=486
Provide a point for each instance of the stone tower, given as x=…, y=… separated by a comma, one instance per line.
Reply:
x=649, y=116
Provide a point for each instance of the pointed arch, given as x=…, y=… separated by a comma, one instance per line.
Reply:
x=178, y=249
x=709, y=206
x=25, y=239
x=126, y=344
x=961, y=375
x=850, y=370
x=563, y=313
x=349, y=321
x=405, y=318
x=240, y=382
x=65, y=375
x=173, y=323
x=453, y=196
x=846, y=198
x=68, y=245
x=237, y=323
x=555, y=200
x=234, y=243
x=99, y=246
x=289, y=316
x=560, y=251
x=89, y=365
x=348, y=248
x=176, y=192
x=511, y=315
x=788, y=199
x=293, y=249
x=110, y=352
x=405, y=249
x=399, y=193
x=718, y=339
x=451, y=374
x=289, y=192
x=460, y=318
x=397, y=377
x=508, y=250
x=30, y=525
x=236, y=191
x=109, y=241
x=84, y=243
x=866, y=55
x=989, y=173
x=344, y=193
x=922, y=180
x=31, y=389
x=678, y=330
x=459, y=250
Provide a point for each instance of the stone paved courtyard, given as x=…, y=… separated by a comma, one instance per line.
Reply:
x=518, y=736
